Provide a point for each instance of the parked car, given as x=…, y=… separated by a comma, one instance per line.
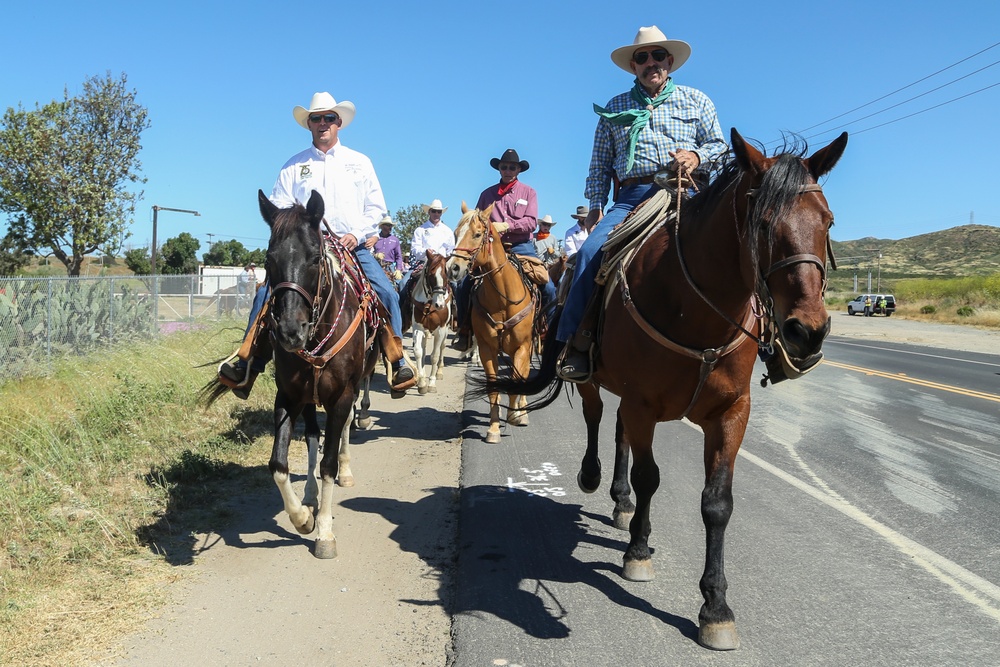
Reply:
x=857, y=305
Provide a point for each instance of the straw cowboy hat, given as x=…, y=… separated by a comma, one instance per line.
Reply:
x=652, y=36
x=581, y=213
x=509, y=155
x=546, y=220
x=325, y=102
x=386, y=221
x=435, y=204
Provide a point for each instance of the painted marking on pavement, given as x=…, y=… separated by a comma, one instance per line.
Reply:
x=911, y=380
x=538, y=482
x=918, y=354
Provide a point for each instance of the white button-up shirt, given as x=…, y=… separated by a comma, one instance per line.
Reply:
x=574, y=239
x=440, y=238
x=346, y=179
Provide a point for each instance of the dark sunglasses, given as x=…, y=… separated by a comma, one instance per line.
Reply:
x=508, y=167
x=435, y=210
x=331, y=117
x=659, y=55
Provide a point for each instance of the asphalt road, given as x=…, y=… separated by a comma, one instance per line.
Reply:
x=865, y=530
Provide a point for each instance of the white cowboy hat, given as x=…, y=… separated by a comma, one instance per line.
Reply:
x=435, y=204
x=652, y=36
x=386, y=220
x=546, y=220
x=325, y=102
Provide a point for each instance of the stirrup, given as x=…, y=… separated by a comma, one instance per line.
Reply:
x=564, y=374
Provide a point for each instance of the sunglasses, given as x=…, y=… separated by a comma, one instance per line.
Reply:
x=330, y=117
x=659, y=55
x=508, y=167
x=435, y=210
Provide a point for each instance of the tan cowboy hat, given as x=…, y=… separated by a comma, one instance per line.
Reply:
x=324, y=102
x=386, y=220
x=546, y=220
x=435, y=204
x=581, y=213
x=652, y=36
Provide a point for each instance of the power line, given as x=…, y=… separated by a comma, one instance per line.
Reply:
x=909, y=85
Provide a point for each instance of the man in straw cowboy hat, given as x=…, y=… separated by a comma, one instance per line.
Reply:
x=354, y=205
x=432, y=235
x=578, y=233
x=547, y=245
x=653, y=126
x=388, y=250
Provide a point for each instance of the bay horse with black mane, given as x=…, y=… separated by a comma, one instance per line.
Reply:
x=742, y=269
x=322, y=321
x=430, y=309
x=505, y=306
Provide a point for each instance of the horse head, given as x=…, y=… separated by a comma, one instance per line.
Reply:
x=435, y=279
x=788, y=223
x=472, y=242
x=294, y=261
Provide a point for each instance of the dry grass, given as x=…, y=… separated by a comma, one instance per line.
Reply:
x=101, y=466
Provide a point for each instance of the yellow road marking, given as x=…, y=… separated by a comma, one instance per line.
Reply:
x=902, y=377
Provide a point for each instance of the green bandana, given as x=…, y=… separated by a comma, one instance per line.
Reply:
x=637, y=118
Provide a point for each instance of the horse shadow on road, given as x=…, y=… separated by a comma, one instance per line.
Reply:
x=513, y=546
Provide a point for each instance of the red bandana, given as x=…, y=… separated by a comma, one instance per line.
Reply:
x=541, y=236
x=504, y=189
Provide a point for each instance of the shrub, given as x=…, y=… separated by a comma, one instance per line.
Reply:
x=966, y=311
x=928, y=310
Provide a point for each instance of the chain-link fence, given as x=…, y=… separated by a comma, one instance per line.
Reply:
x=42, y=319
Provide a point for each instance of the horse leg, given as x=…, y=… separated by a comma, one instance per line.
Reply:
x=589, y=477
x=284, y=421
x=442, y=337
x=419, y=343
x=345, y=477
x=516, y=414
x=336, y=427
x=621, y=491
x=490, y=368
x=716, y=622
x=636, y=429
x=311, y=496
x=364, y=419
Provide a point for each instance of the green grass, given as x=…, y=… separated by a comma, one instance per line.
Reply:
x=106, y=466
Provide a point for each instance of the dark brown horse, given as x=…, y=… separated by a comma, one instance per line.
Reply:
x=322, y=326
x=743, y=268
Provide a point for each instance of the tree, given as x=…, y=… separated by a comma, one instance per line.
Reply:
x=13, y=255
x=138, y=261
x=65, y=169
x=226, y=253
x=406, y=220
x=179, y=255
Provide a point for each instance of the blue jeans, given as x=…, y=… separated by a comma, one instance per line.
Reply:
x=588, y=259
x=374, y=273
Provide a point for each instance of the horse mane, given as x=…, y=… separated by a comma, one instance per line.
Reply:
x=287, y=221
x=778, y=190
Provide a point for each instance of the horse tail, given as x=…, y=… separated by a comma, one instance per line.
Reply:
x=211, y=392
x=542, y=380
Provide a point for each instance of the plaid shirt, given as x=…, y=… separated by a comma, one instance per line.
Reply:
x=687, y=120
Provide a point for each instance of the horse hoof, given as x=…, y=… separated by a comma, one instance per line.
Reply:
x=325, y=549
x=583, y=485
x=423, y=390
x=433, y=389
x=719, y=636
x=493, y=438
x=306, y=526
x=364, y=424
x=396, y=394
x=622, y=519
x=345, y=481
x=638, y=570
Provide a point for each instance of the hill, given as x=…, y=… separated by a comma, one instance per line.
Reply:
x=969, y=250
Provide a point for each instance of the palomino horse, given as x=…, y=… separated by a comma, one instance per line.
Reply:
x=747, y=255
x=503, y=307
x=431, y=307
x=325, y=347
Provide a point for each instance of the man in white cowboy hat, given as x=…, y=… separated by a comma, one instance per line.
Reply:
x=354, y=205
x=432, y=235
x=578, y=233
x=654, y=126
x=547, y=245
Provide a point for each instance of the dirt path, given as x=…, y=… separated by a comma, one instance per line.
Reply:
x=258, y=596
x=898, y=330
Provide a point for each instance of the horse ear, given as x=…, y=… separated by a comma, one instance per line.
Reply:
x=267, y=209
x=315, y=209
x=485, y=215
x=465, y=209
x=747, y=157
x=823, y=160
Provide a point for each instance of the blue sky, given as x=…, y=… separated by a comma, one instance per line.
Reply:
x=442, y=87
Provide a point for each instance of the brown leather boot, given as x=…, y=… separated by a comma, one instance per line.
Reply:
x=577, y=363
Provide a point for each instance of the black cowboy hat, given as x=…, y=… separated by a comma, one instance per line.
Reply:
x=509, y=155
